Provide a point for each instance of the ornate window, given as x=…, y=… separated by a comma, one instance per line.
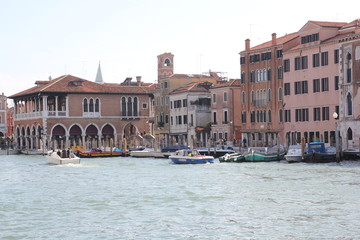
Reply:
x=349, y=105
x=86, y=109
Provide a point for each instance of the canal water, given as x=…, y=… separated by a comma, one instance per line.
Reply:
x=126, y=198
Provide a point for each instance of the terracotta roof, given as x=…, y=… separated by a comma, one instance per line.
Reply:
x=230, y=83
x=192, y=87
x=329, y=24
x=355, y=23
x=279, y=41
x=73, y=84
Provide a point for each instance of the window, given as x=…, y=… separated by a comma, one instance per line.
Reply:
x=252, y=97
x=243, y=78
x=297, y=115
x=252, y=116
x=336, y=81
x=304, y=62
x=184, y=103
x=325, y=113
x=243, y=98
x=171, y=121
x=279, y=53
x=252, y=77
x=286, y=65
x=185, y=119
x=286, y=89
x=269, y=73
x=269, y=95
x=129, y=107
x=86, y=105
x=287, y=115
x=166, y=118
x=304, y=86
x=145, y=106
x=280, y=73
x=243, y=117
x=336, y=56
x=349, y=134
x=269, y=116
x=214, y=137
x=225, y=96
x=310, y=38
x=91, y=105
x=165, y=84
x=214, y=97
x=123, y=106
x=348, y=105
x=135, y=107
x=316, y=60
x=324, y=59
x=242, y=60
x=214, y=118
x=97, y=105
x=225, y=117
x=316, y=85
x=281, y=115
x=325, y=84
x=297, y=63
x=348, y=75
x=305, y=115
x=280, y=94
x=297, y=88
x=317, y=114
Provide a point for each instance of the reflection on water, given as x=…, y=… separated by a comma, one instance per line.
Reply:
x=125, y=198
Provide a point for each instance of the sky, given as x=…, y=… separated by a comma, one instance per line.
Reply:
x=42, y=38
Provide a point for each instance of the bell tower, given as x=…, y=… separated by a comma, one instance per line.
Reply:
x=165, y=65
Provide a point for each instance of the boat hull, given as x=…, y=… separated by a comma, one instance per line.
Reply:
x=232, y=158
x=254, y=156
x=197, y=160
x=102, y=154
x=55, y=159
x=316, y=157
x=215, y=153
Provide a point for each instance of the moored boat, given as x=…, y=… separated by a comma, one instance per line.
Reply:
x=190, y=156
x=294, y=154
x=351, y=154
x=55, y=158
x=97, y=152
x=318, y=153
x=232, y=157
x=264, y=154
x=215, y=152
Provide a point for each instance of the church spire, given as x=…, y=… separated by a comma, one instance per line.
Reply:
x=99, y=78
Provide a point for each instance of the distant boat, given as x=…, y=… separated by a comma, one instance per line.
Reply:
x=318, y=153
x=146, y=152
x=215, y=152
x=264, y=154
x=97, y=152
x=232, y=157
x=54, y=158
x=167, y=151
x=351, y=154
x=190, y=156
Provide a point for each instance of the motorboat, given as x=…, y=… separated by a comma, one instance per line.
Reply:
x=146, y=152
x=190, y=156
x=318, y=153
x=169, y=150
x=351, y=154
x=294, y=154
x=55, y=158
x=232, y=157
x=216, y=152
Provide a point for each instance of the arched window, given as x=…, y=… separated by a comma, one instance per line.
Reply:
x=252, y=97
x=129, y=108
x=349, y=134
x=280, y=94
x=349, y=104
x=348, y=68
x=86, y=109
x=123, y=106
x=243, y=98
x=97, y=105
x=91, y=105
x=135, y=106
x=167, y=62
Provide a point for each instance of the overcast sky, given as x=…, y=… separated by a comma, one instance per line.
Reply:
x=40, y=38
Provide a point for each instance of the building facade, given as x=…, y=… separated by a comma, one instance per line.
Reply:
x=225, y=112
x=167, y=82
x=3, y=121
x=69, y=111
x=262, y=99
x=190, y=114
x=349, y=85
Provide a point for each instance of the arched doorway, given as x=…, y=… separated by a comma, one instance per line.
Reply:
x=132, y=136
x=91, y=136
x=58, y=137
x=107, y=138
x=75, y=136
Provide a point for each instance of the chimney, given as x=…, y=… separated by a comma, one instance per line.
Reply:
x=138, y=80
x=273, y=40
x=247, y=44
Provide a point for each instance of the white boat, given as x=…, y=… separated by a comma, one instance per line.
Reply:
x=294, y=154
x=54, y=158
x=147, y=152
x=190, y=156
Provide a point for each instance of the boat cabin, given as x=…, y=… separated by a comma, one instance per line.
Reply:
x=316, y=147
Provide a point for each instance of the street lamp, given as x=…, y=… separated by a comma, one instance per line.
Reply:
x=335, y=116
